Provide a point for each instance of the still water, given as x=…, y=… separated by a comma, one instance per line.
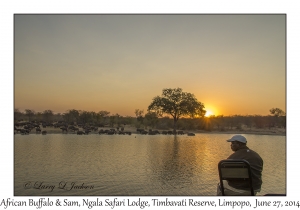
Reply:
x=166, y=165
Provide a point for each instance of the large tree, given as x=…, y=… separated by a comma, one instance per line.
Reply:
x=176, y=103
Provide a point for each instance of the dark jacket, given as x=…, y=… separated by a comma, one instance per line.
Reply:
x=256, y=164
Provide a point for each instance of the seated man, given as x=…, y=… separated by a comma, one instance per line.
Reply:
x=241, y=151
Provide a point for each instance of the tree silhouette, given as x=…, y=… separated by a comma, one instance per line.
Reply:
x=277, y=112
x=151, y=119
x=29, y=113
x=47, y=115
x=279, y=116
x=176, y=103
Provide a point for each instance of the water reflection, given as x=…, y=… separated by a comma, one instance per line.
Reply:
x=177, y=161
x=137, y=164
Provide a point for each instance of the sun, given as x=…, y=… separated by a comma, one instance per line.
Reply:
x=208, y=113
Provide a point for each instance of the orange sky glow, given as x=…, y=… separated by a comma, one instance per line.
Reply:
x=234, y=64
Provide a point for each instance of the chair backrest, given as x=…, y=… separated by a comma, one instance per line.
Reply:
x=235, y=170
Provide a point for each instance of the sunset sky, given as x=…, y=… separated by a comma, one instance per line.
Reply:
x=234, y=64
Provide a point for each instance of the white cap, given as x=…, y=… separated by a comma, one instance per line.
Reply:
x=239, y=138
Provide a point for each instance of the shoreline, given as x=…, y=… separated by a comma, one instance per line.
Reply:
x=274, y=131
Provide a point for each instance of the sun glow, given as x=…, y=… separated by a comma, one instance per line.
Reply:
x=208, y=113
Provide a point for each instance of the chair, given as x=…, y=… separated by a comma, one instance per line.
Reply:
x=235, y=170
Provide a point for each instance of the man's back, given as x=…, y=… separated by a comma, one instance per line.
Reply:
x=256, y=164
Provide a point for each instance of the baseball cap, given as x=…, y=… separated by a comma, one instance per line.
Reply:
x=239, y=138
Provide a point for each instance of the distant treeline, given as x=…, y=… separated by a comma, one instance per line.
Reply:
x=151, y=121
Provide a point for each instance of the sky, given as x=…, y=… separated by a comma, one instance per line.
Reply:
x=234, y=64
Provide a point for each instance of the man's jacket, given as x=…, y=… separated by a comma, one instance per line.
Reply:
x=256, y=164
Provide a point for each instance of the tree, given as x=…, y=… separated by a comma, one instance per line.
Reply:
x=151, y=119
x=29, y=113
x=93, y=117
x=38, y=116
x=277, y=112
x=112, y=120
x=139, y=116
x=103, y=115
x=67, y=117
x=176, y=103
x=117, y=118
x=71, y=116
x=85, y=117
x=47, y=115
x=17, y=115
x=57, y=117
x=279, y=116
x=74, y=114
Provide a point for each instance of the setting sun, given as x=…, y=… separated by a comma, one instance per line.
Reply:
x=208, y=113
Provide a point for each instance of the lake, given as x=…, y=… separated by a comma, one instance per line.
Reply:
x=135, y=165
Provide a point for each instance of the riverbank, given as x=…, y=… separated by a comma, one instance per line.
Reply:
x=272, y=131
x=255, y=132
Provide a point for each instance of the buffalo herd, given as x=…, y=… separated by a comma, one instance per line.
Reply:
x=26, y=128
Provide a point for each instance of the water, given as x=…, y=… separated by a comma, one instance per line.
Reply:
x=118, y=165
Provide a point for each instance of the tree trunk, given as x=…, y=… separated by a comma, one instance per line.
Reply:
x=174, y=128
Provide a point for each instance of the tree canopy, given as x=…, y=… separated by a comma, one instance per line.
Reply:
x=277, y=112
x=176, y=103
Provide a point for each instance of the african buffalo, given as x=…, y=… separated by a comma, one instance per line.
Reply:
x=80, y=132
x=64, y=129
x=180, y=132
x=38, y=130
